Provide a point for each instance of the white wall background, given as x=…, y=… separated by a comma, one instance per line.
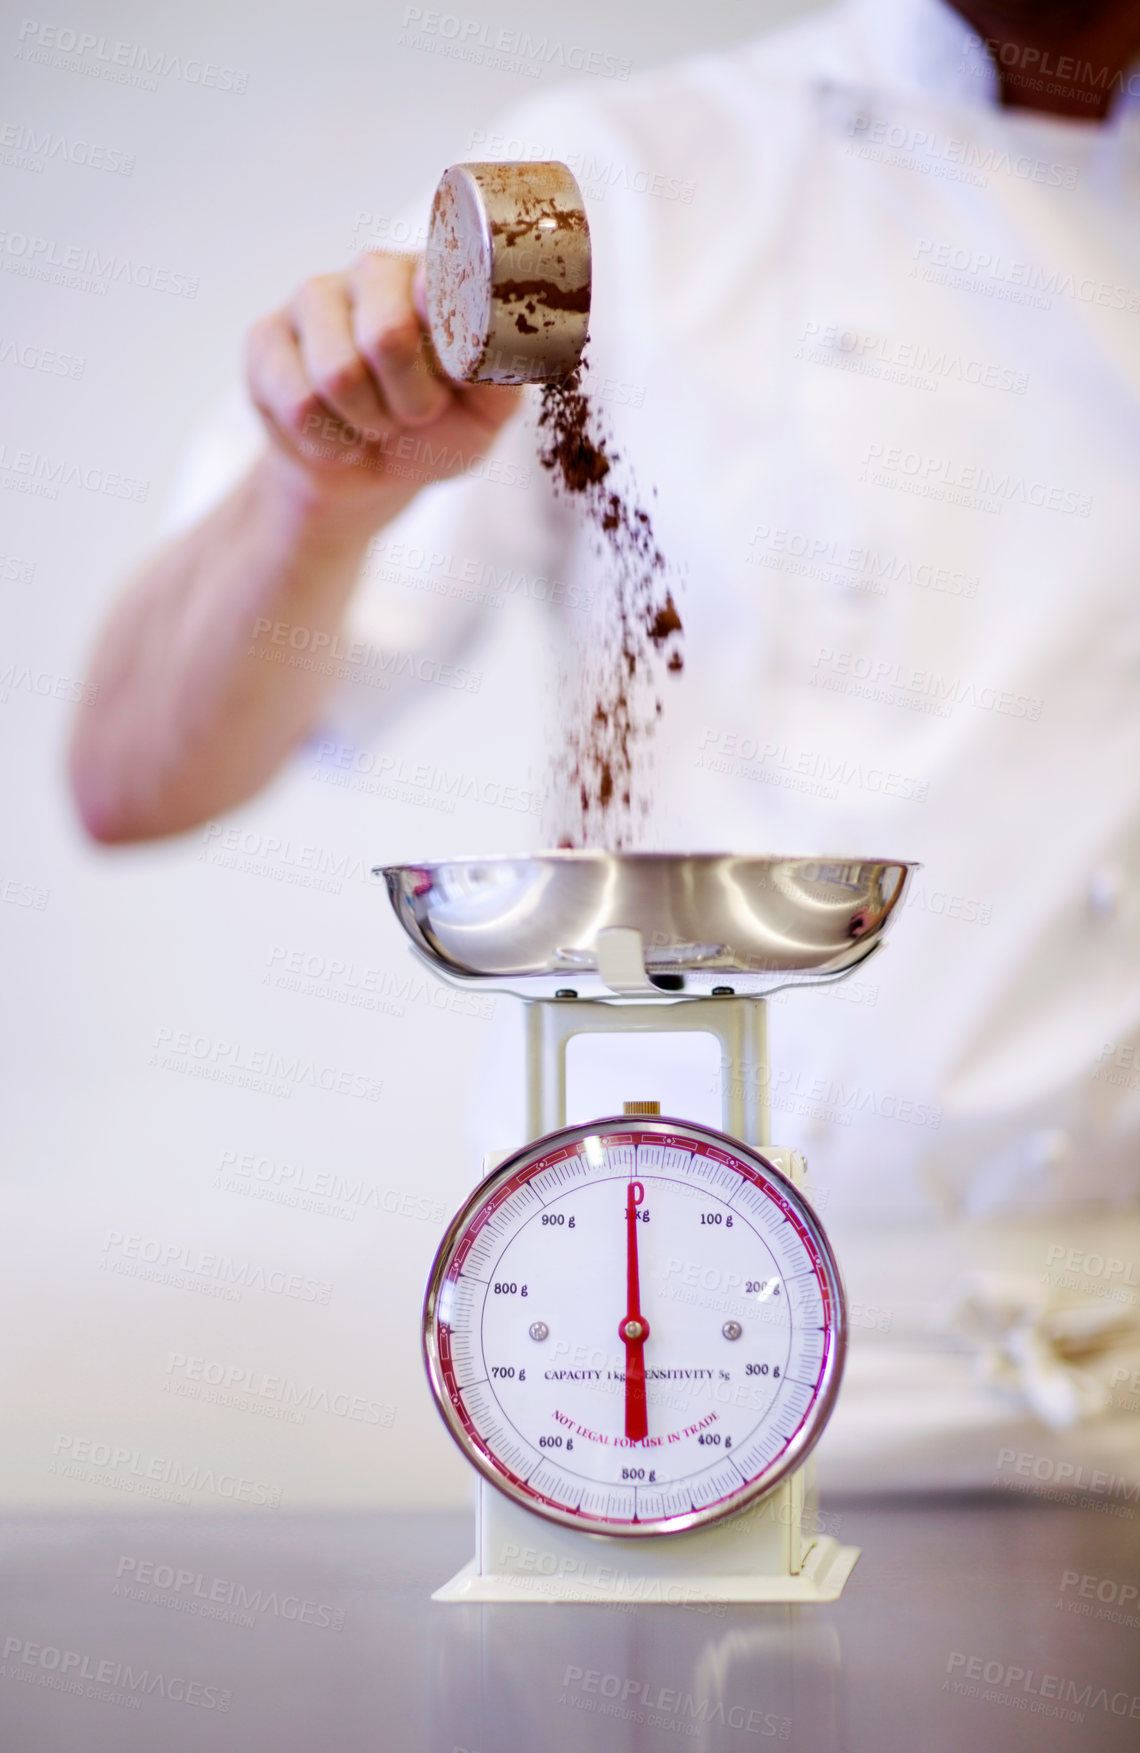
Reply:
x=110, y=1159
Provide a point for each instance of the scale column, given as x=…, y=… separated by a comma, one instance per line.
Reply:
x=746, y=1075
x=546, y=1065
x=738, y=1024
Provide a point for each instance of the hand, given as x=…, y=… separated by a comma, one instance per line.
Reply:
x=634, y=1328
x=351, y=396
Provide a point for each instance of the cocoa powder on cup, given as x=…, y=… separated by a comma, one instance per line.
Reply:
x=604, y=776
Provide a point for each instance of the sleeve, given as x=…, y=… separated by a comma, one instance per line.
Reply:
x=434, y=581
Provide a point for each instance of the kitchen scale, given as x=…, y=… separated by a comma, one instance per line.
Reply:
x=634, y=1329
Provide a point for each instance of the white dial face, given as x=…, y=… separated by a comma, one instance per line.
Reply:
x=634, y=1327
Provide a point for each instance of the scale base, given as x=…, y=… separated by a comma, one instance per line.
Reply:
x=771, y=1552
x=826, y=1568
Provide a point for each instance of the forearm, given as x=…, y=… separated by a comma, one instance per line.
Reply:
x=190, y=715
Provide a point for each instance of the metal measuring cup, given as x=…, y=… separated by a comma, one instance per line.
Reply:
x=507, y=272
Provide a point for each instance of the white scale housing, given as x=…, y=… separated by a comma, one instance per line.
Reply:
x=694, y=1525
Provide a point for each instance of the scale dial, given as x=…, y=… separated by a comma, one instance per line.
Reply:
x=635, y=1327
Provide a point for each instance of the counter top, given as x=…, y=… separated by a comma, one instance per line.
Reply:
x=971, y=1623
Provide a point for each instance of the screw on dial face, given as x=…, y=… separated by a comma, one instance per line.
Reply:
x=647, y=1244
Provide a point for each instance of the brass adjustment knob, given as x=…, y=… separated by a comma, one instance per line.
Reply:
x=646, y=1109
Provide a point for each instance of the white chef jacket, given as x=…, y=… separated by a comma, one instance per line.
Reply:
x=874, y=343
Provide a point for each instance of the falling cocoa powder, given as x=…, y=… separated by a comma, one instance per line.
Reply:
x=604, y=772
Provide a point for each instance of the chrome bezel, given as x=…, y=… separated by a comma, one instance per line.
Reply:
x=801, y=1444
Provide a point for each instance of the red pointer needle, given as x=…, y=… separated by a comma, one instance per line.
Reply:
x=634, y=1328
